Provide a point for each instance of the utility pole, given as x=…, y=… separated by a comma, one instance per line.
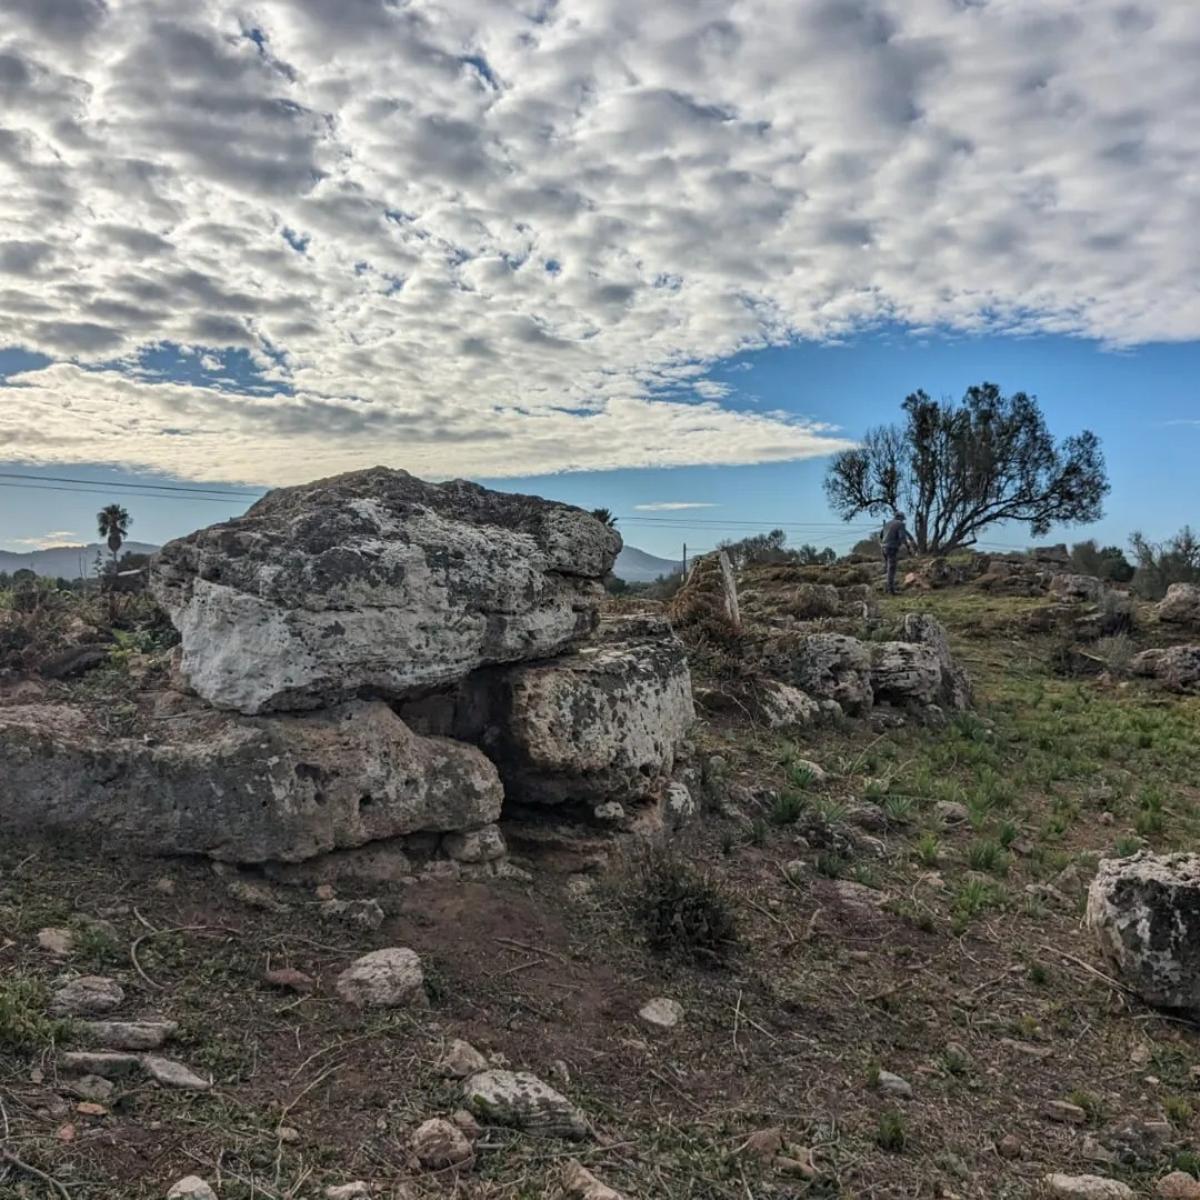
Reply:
x=685, y=560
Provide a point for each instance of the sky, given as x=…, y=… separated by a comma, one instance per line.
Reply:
x=623, y=254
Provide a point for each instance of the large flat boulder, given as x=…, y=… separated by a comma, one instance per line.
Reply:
x=1176, y=668
x=235, y=788
x=1180, y=606
x=376, y=582
x=599, y=724
x=826, y=666
x=1145, y=914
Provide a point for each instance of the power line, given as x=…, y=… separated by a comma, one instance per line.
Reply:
x=109, y=491
x=167, y=487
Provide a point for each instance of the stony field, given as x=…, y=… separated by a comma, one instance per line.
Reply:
x=874, y=934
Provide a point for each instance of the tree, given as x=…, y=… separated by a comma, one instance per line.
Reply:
x=113, y=521
x=955, y=469
x=1105, y=562
x=605, y=517
x=1160, y=564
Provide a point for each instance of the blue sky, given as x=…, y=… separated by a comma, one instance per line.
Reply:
x=1141, y=401
x=616, y=252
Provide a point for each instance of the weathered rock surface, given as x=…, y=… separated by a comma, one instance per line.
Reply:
x=240, y=789
x=661, y=1013
x=1087, y=1187
x=87, y=996
x=1077, y=587
x=1180, y=606
x=1178, y=1185
x=169, y=1073
x=579, y=1182
x=461, y=1060
x=383, y=979
x=955, y=691
x=827, y=666
x=782, y=705
x=191, y=1187
x=128, y=1035
x=438, y=1144
x=523, y=1101
x=1176, y=668
x=1145, y=913
x=905, y=673
x=377, y=581
x=601, y=723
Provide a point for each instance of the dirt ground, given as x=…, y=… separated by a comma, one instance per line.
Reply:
x=957, y=961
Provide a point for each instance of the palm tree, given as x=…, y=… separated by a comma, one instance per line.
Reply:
x=113, y=521
x=605, y=517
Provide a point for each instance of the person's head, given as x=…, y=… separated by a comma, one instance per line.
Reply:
x=898, y=517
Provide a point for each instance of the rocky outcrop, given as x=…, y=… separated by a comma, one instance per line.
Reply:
x=237, y=788
x=377, y=582
x=826, y=666
x=1077, y=587
x=601, y=723
x=1145, y=914
x=955, y=688
x=1180, y=606
x=905, y=673
x=1176, y=668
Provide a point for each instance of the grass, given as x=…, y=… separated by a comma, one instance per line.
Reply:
x=891, y=1134
x=24, y=1025
x=787, y=808
x=987, y=855
x=928, y=850
x=681, y=911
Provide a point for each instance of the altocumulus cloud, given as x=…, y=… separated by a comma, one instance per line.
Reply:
x=495, y=237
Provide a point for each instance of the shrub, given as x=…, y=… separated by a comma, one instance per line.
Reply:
x=682, y=911
x=891, y=1133
x=23, y=1021
x=787, y=808
x=1107, y=562
x=1160, y=564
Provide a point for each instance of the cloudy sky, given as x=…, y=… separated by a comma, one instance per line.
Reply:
x=262, y=241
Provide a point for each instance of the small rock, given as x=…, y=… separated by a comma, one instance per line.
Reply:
x=288, y=979
x=764, y=1144
x=579, y=886
x=1029, y=1049
x=255, y=895
x=439, y=1144
x=523, y=1101
x=869, y=817
x=366, y=914
x=579, y=1182
x=99, y=1062
x=383, y=979
x=59, y=942
x=1179, y=1185
x=285, y=1133
x=192, y=1187
x=1087, y=1187
x=1141, y=1054
x=1009, y=1146
x=467, y=1123
x=168, y=1073
x=461, y=1060
x=325, y=891
x=858, y=897
x=93, y=1087
x=1093, y=1151
x=795, y=870
x=818, y=772
x=561, y=1072
x=951, y=812
x=509, y=870
x=661, y=1012
x=128, y=1035
x=347, y=1191
x=894, y=1085
x=1064, y=1112
x=611, y=813
x=164, y=885
x=89, y=1108
x=476, y=845
x=86, y=996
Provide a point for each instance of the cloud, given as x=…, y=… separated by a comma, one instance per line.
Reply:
x=673, y=505
x=46, y=541
x=496, y=237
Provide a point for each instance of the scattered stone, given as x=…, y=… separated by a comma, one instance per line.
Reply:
x=191, y=1187
x=783, y=706
x=796, y=869
x=255, y=895
x=523, y=1101
x=1087, y=1187
x=1094, y=1151
x=561, y=1072
x=289, y=979
x=1029, y=1049
x=869, y=817
x=99, y=1062
x=88, y=1108
x=87, y=996
x=285, y=1133
x=1145, y=913
x=764, y=1144
x=164, y=885
x=347, y=1191
x=951, y=812
x=1064, y=1112
x=1010, y=1146
x=610, y=813
x=475, y=845
x=169, y=1073
x=1179, y=1185
x=467, y=1123
x=326, y=891
x=59, y=942
x=92, y=1087
x=579, y=1182
x=438, y=1144
x=580, y=886
x=461, y=1061
x=857, y=896
x=128, y=1035
x=894, y=1085
x=384, y=979
x=366, y=914
x=661, y=1013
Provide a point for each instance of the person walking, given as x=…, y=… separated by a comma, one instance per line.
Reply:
x=893, y=537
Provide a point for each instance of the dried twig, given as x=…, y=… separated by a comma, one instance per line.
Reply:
x=9, y=1157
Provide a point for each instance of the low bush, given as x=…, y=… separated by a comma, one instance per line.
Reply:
x=682, y=911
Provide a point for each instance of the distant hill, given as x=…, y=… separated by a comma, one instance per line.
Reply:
x=63, y=562
x=636, y=566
